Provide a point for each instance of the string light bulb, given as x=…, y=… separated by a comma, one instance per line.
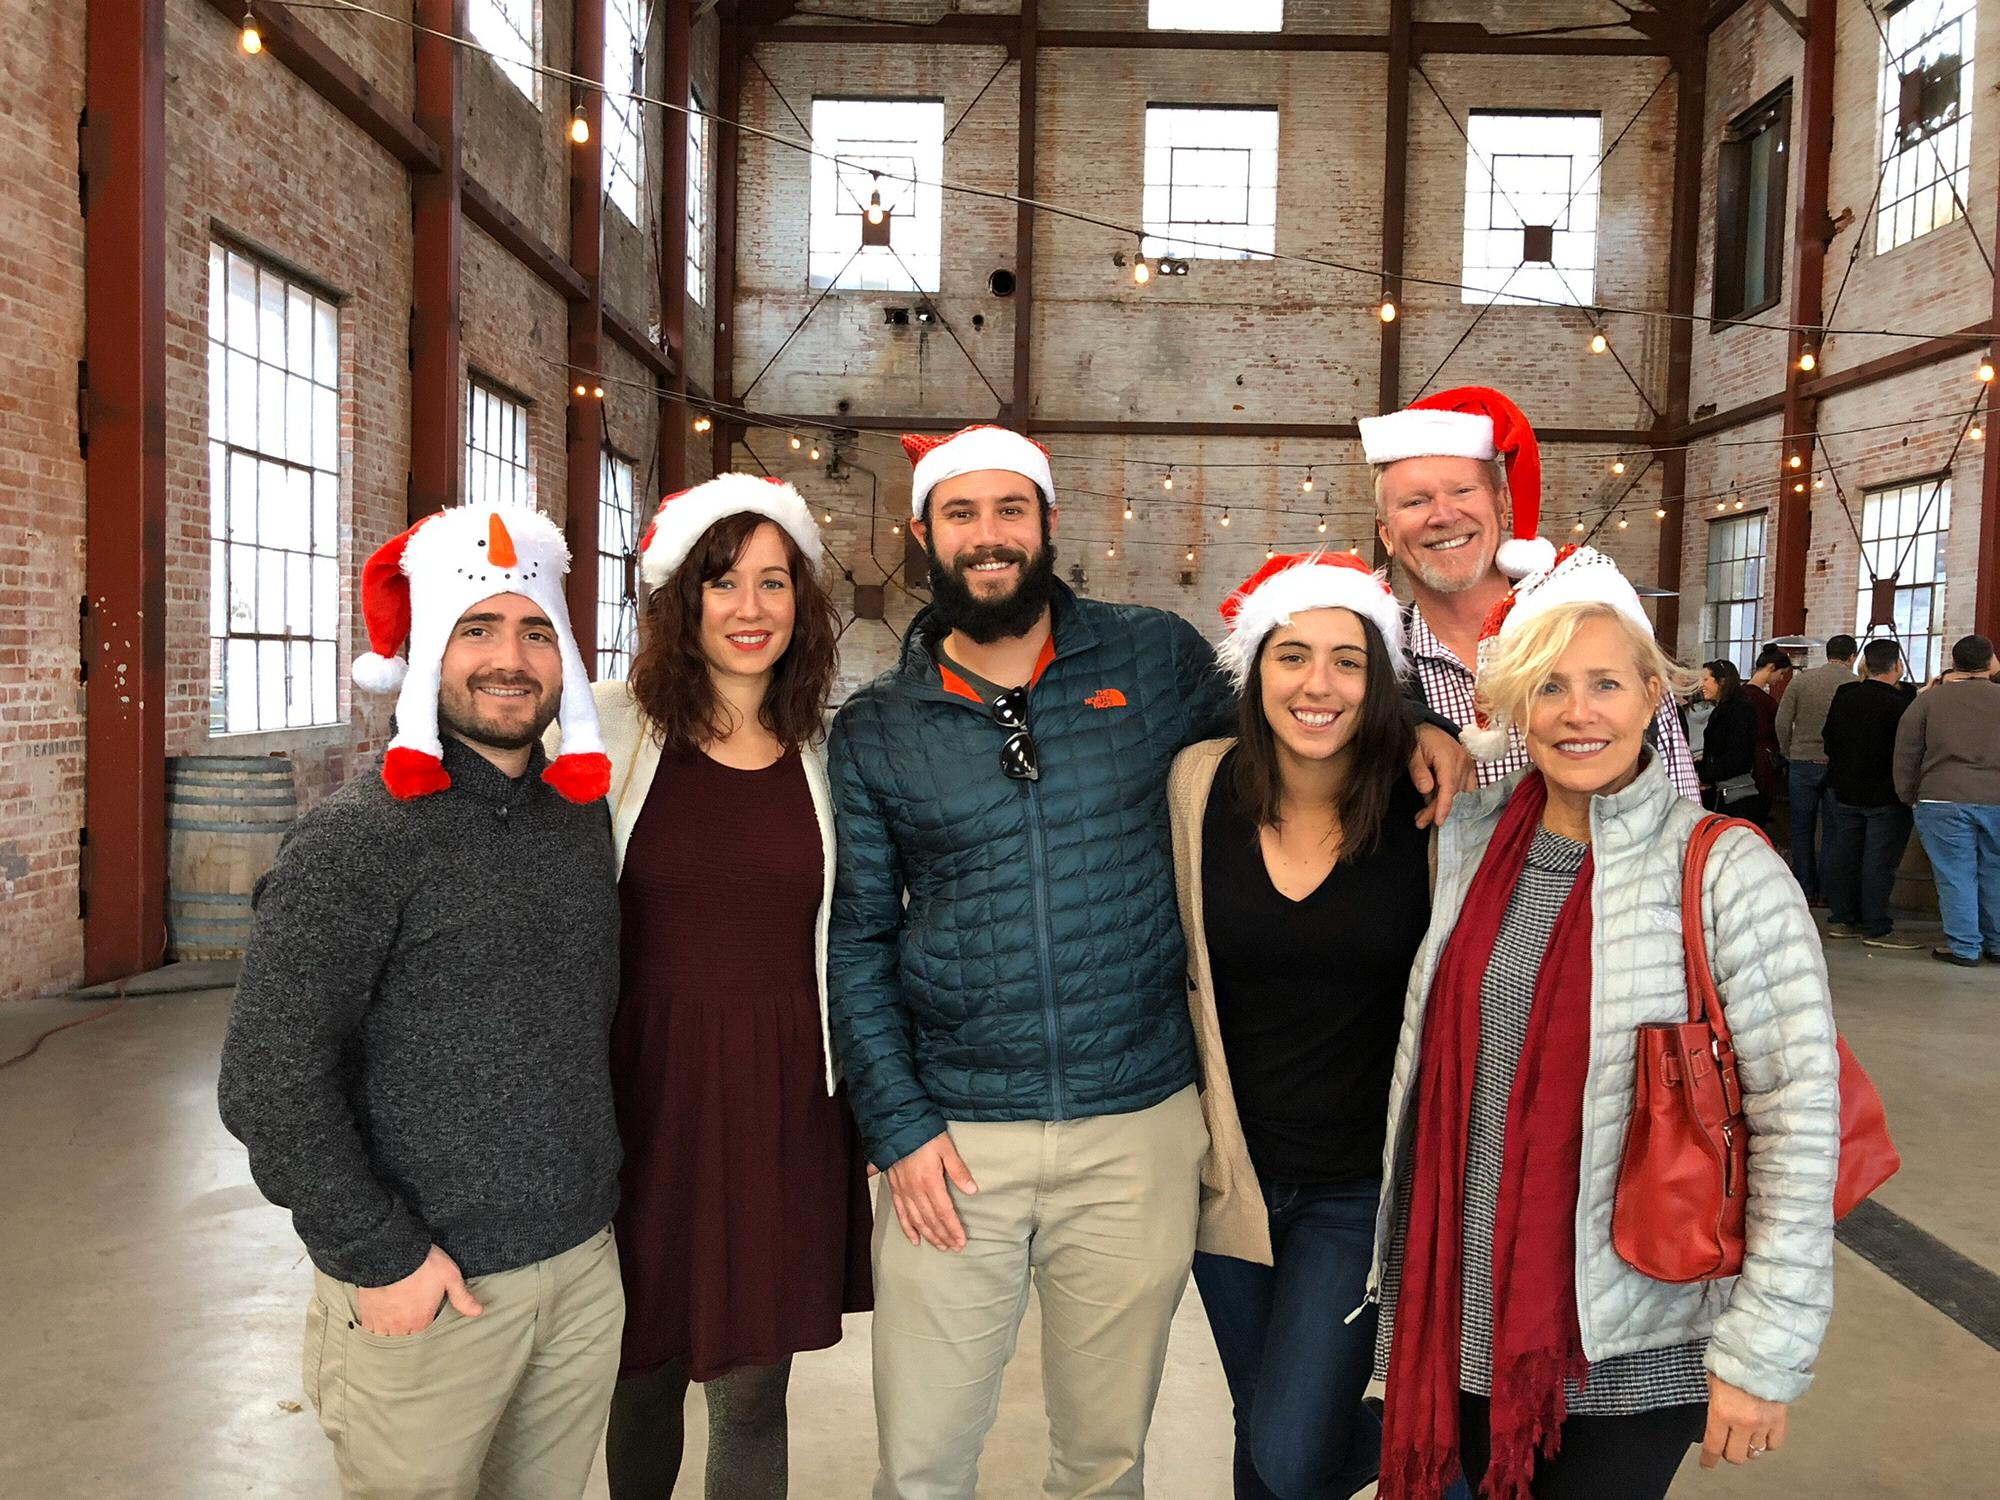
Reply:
x=813, y=453
x=597, y=393
x=1819, y=481
x=1269, y=553
x=1799, y=488
x=1308, y=485
x=579, y=127
x=1168, y=482
x=1599, y=343
x=1808, y=361
x=1618, y=466
x=1578, y=526
x=1190, y=554
x=829, y=518
x=1739, y=505
x=1322, y=525
x=797, y=442
x=1660, y=514
x=702, y=424
x=1977, y=432
x=1796, y=461
x=251, y=40
x=895, y=528
x=1388, y=310
x=1623, y=523
x=876, y=212
x=1985, y=371
x=580, y=391
x=1111, y=551
x=1141, y=271
x=1225, y=515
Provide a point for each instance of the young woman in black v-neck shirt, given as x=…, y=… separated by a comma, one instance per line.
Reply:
x=1301, y=837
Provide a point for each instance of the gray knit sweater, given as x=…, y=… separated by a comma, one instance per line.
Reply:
x=418, y=1051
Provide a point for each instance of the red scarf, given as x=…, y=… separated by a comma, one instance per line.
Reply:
x=1537, y=1343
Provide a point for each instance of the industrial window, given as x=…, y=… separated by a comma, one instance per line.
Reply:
x=1531, y=208
x=624, y=122
x=1735, y=590
x=274, y=498
x=1211, y=182
x=697, y=200
x=1902, y=544
x=496, y=447
x=506, y=29
x=1926, y=134
x=1206, y=15
x=894, y=147
x=617, y=568
x=1750, y=208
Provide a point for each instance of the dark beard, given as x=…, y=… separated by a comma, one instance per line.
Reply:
x=457, y=711
x=988, y=620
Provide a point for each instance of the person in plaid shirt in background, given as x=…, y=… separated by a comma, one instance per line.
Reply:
x=1446, y=470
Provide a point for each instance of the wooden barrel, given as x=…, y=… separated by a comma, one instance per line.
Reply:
x=225, y=816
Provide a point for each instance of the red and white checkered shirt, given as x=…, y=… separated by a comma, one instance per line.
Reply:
x=1448, y=688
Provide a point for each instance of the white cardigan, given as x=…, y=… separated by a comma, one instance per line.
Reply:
x=635, y=756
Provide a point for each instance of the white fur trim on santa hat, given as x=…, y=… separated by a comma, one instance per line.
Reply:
x=979, y=448
x=1308, y=586
x=683, y=519
x=1427, y=434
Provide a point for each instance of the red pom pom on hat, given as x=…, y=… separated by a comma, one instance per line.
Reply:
x=580, y=778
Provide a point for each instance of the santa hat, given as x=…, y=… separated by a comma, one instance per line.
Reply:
x=1473, y=422
x=982, y=446
x=1292, y=584
x=413, y=591
x=684, y=518
x=1579, y=575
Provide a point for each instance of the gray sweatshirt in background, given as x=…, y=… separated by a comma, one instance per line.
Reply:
x=419, y=1047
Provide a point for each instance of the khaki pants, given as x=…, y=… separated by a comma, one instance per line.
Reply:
x=1101, y=1214
x=509, y=1405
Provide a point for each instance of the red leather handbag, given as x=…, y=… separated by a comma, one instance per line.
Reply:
x=1678, y=1214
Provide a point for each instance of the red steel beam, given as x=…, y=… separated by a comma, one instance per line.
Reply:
x=1605, y=437
x=1986, y=560
x=1691, y=70
x=124, y=150
x=673, y=292
x=630, y=337
x=728, y=104
x=288, y=40
x=1395, y=186
x=1022, y=403
x=1463, y=38
x=1814, y=229
x=584, y=440
x=435, y=393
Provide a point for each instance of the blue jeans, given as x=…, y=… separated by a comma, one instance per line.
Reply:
x=1296, y=1368
x=1807, y=781
x=1963, y=842
x=1863, y=847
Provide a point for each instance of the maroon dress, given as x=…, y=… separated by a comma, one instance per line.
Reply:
x=743, y=1224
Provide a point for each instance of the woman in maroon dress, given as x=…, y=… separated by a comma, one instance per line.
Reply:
x=744, y=1223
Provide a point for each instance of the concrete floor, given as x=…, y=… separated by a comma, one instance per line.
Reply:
x=152, y=1351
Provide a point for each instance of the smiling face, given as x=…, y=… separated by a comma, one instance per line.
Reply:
x=1441, y=519
x=992, y=558
x=747, y=612
x=1312, y=678
x=500, y=682
x=1587, y=722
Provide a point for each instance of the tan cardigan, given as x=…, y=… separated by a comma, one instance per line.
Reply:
x=1234, y=1219
x=635, y=756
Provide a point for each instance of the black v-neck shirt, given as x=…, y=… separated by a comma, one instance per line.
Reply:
x=1310, y=993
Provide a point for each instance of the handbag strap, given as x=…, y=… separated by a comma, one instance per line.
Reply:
x=1704, y=1001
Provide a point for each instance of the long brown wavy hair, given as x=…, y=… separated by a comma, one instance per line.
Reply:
x=670, y=677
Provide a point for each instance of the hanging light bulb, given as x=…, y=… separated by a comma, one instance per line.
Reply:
x=579, y=127
x=1141, y=272
x=1577, y=527
x=1660, y=514
x=1112, y=550
x=1190, y=554
x=1308, y=485
x=813, y=453
x=895, y=528
x=875, y=210
x=1322, y=525
x=1721, y=506
x=1985, y=370
x=702, y=424
x=1618, y=466
x=251, y=40
x=597, y=393
x=1797, y=489
x=1168, y=482
x=1388, y=310
x=797, y=442
x=1796, y=461
x=1808, y=361
x=581, y=391
x=1623, y=523
x=1819, y=481
x=1599, y=343
x=1128, y=510
x=829, y=518
x=1225, y=515
x=1976, y=433
x=1269, y=553
x=1739, y=505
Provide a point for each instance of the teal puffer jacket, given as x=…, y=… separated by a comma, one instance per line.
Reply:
x=1037, y=970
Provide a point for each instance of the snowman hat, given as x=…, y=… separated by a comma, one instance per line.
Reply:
x=1474, y=422
x=415, y=588
x=1579, y=575
x=1295, y=583
x=684, y=518
x=981, y=446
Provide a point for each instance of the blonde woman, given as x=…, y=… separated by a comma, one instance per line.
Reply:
x=1515, y=1341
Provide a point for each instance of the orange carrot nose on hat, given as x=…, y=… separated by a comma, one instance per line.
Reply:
x=413, y=591
x=1473, y=422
